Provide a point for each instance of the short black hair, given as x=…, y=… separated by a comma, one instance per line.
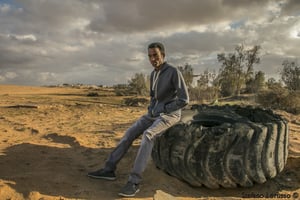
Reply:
x=157, y=45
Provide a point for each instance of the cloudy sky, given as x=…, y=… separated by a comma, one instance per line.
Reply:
x=45, y=42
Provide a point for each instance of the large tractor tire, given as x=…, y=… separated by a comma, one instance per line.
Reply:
x=227, y=146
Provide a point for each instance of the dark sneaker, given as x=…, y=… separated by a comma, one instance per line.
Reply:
x=102, y=174
x=129, y=190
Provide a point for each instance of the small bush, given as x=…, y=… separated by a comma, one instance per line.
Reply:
x=121, y=92
x=93, y=94
x=203, y=94
x=136, y=101
x=280, y=98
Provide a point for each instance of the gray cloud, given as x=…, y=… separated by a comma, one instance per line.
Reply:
x=104, y=42
x=143, y=15
x=291, y=7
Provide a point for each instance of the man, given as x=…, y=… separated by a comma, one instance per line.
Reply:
x=168, y=94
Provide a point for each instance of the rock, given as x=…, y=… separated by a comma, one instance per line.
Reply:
x=161, y=195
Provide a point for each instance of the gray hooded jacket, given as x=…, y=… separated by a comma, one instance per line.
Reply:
x=168, y=91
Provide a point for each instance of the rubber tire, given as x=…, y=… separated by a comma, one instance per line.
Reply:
x=223, y=146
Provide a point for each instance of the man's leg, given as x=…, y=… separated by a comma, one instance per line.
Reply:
x=108, y=172
x=161, y=124
x=131, y=134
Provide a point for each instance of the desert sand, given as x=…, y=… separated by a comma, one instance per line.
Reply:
x=51, y=137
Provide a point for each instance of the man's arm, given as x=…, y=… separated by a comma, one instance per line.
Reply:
x=152, y=99
x=182, y=94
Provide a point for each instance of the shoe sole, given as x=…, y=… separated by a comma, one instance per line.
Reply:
x=128, y=195
x=102, y=177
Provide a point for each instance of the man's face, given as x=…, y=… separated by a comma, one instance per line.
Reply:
x=156, y=58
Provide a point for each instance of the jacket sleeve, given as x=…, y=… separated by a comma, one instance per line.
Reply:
x=152, y=99
x=182, y=93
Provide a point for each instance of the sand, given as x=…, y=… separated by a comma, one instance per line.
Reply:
x=51, y=137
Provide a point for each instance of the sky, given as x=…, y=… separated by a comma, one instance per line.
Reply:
x=104, y=42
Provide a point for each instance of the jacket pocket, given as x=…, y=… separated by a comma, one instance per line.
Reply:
x=158, y=109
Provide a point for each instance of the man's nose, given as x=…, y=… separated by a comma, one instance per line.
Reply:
x=152, y=58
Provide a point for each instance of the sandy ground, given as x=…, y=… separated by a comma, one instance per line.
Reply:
x=51, y=137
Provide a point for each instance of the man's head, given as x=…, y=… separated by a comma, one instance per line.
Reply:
x=156, y=54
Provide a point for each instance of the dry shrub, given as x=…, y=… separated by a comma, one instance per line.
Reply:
x=280, y=98
x=136, y=101
x=203, y=95
x=93, y=94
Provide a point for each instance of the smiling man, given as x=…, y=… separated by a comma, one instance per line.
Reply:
x=169, y=95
